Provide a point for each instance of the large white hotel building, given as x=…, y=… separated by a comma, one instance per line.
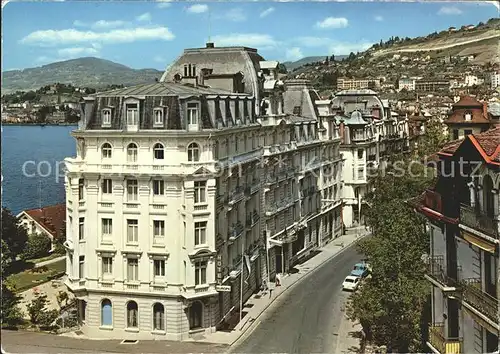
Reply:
x=177, y=183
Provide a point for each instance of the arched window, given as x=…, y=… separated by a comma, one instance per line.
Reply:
x=132, y=314
x=132, y=152
x=106, y=313
x=488, y=200
x=158, y=317
x=195, y=315
x=193, y=152
x=106, y=151
x=158, y=151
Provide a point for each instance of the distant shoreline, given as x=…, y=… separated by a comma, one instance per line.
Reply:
x=40, y=124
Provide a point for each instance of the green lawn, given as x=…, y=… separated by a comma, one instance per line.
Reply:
x=28, y=278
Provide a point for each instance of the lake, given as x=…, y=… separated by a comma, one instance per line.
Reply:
x=32, y=165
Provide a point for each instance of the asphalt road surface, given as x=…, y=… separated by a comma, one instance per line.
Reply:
x=307, y=319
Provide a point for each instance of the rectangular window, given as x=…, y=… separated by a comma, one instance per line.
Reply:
x=200, y=233
x=132, y=231
x=132, y=269
x=455, y=134
x=132, y=114
x=81, y=267
x=132, y=190
x=106, y=117
x=107, y=266
x=107, y=227
x=360, y=153
x=81, y=228
x=200, y=192
x=192, y=113
x=158, y=116
x=159, y=265
x=107, y=186
x=80, y=188
x=158, y=229
x=158, y=187
x=200, y=272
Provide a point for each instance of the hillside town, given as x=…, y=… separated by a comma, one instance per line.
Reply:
x=228, y=200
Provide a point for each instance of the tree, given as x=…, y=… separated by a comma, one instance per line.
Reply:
x=14, y=236
x=10, y=315
x=390, y=304
x=352, y=56
x=434, y=138
x=332, y=58
x=38, y=245
x=282, y=69
x=39, y=314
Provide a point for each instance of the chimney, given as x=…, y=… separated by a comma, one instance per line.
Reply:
x=210, y=45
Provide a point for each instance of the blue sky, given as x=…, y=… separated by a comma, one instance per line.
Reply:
x=148, y=34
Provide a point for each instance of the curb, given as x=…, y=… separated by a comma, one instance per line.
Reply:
x=299, y=280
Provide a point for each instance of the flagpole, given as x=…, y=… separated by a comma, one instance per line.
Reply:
x=241, y=282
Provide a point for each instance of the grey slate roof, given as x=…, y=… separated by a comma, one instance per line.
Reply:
x=163, y=89
x=356, y=118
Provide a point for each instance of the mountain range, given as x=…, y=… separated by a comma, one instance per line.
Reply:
x=84, y=72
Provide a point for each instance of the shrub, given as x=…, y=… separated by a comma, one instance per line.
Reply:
x=37, y=246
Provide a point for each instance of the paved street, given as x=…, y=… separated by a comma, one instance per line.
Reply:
x=309, y=318
x=30, y=342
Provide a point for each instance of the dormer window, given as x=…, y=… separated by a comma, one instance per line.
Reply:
x=132, y=114
x=192, y=115
x=158, y=117
x=468, y=116
x=106, y=117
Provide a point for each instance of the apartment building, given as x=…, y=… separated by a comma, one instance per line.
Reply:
x=370, y=134
x=463, y=223
x=181, y=193
x=356, y=84
x=467, y=116
x=432, y=85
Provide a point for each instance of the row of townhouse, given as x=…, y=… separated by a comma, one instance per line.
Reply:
x=180, y=193
x=463, y=223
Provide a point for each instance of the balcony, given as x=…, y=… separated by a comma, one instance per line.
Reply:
x=278, y=206
x=236, y=195
x=235, y=231
x=478, y=299
x=252, y=219
x=437, y=273
x=442, y=344
x=479, y=221
x=279, y=148
x=253, y=187
x=240, y=159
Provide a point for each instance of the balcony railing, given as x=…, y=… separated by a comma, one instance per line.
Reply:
x=481, y=301
x=235, y=231
x=252, y=219
x=279, y=205
x=236, y=195
x=477, y=220
x=439, y=341
x=437, y=270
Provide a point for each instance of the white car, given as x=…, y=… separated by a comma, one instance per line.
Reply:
x=350, y=283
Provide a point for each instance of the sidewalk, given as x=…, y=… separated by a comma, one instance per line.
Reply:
x=50, y=261
x=259, y=302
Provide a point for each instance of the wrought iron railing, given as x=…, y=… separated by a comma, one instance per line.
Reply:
x=477, y=220
x=436, y=268
x=481, y=301
x=439, y=340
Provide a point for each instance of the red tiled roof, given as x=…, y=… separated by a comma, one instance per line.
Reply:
x=487, y=143
x=468, y=101
x=52, y=218
x=458, y=116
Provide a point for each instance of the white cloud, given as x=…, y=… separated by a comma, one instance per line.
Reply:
x=145, y=17
x=159, y=59
x=163, y=4
x=76, y=52
x=101, y=24
x=332, y=22
x=246, y=39
x=449, y=10
x=267, y=12
x=294, y=54
x=379, y=18
x=72, y=36
x=235, y=15
x=197, y=8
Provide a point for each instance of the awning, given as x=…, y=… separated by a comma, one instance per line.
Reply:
x=478, y=241
x=199, y=295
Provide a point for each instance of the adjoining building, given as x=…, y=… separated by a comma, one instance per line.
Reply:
x=369, y=135
x=432, y=85
x=49, y=221
x=467, y=116
x=463, y=222
x=182, y=193
x=356, y=84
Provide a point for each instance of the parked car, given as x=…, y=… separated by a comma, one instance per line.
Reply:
x=360, y=270
x=351, y=283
